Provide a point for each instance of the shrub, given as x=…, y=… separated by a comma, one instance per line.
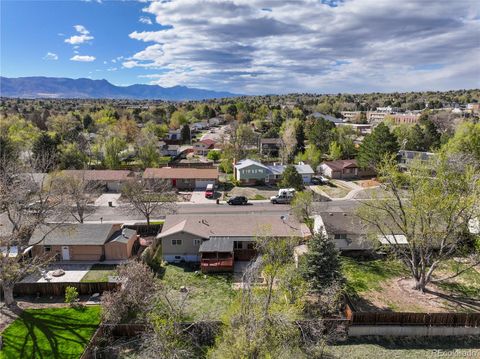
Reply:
x=71, y=296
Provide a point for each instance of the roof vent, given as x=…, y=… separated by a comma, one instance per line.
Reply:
x=344, y=214
x=330, y=214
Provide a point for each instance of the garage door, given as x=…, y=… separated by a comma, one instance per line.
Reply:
x=202, y=184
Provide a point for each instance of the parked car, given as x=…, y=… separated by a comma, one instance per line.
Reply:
x=284, y=196
x=209, y=191
x=239, y=200
x=319, y=180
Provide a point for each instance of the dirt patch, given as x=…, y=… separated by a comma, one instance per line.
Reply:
x=368, y=183
x=398, y=295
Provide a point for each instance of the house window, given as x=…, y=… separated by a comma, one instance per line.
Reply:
x=237, y=245
x=176, y=242
x=47, y=249
x=196, y=242
x=340, y=236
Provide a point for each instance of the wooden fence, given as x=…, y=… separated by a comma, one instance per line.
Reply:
x=58, y=288
x=415, y=319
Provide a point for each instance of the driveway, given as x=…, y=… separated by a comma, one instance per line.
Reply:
x=73, y=273
x=103, y=200
x=198, y=196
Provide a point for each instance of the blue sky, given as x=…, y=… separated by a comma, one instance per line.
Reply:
x=248, y=46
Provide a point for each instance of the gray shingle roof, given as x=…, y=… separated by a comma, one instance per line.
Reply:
x=233, y=225
x=216, y=245
x=72, y=234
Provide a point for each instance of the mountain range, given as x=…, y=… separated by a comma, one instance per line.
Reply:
x=57, y=87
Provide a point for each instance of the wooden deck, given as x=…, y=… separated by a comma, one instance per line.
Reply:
x=216, y=265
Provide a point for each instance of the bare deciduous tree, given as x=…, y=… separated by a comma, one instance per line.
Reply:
x=149, y=198
x=27, y=202
x=76, y=194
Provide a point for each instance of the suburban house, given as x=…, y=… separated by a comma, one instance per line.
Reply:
x=351, y=234
x=175, y=134
x=343, y=169
x=84, y=242
x=200, y=125
x=183, y=178
x=250, y=172
x=360, y=128
x=270, y=146
x=217, y=241
x=405, y=158
x=109, y=180
x=202, y=147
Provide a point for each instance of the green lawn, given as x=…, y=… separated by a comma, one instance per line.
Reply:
x=50, y=333
x=334, y=190
x=209, y=296
x=372, y=348
x=363, y=276
x=100, y=273
x=466, y=284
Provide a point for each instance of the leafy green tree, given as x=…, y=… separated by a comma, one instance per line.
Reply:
x=321, y=266
x=146, y=146
x=302, y=208
x=431, y=136
x=466, y=140
x=312, y=156
x=431, y=213
x=334, y=151
x=415, y=140
x=320, y=133
x=300, y=137
x=112, y=148
x=178, y=119
x=185, y=134
x=291, y=179
x=232, y=110
x=376, y=145
x=214, y=155
x=8, y=152
x=71, y=157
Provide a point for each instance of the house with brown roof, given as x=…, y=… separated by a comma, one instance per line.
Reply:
x=343, y=169
x=83, y=241
x=216, y=241
x=183, y=178
x=202, y=147
x=109, y=180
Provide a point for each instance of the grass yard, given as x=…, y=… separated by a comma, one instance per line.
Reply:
x=386, y=285
x=50, y=333
x=100, y=273
x=208, y=297
x=333, y=190
x=421, y=348
x=363, y=276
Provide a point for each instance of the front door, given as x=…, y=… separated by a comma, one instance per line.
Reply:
x=65, y=253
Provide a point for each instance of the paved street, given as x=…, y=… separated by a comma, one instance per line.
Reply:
x=119, y=214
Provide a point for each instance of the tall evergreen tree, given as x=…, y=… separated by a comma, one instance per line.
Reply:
x=431, y=136
x=44, y=151
x=321, y=266
x=185, y=134
x=376, y=145
x=300, y=137
x=291, y=179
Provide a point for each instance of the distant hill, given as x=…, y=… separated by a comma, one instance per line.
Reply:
x=57, y=87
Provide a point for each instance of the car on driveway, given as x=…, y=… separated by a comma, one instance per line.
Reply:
x=239, y=200
x=319, y=180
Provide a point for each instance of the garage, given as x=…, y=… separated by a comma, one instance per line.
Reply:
x=202, y=183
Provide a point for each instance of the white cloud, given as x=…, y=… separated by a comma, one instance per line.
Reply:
x=112, y=69
x=84, y=36
x=307, y=45
x=50, y=56
x=83, y=58
x=145, y=20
